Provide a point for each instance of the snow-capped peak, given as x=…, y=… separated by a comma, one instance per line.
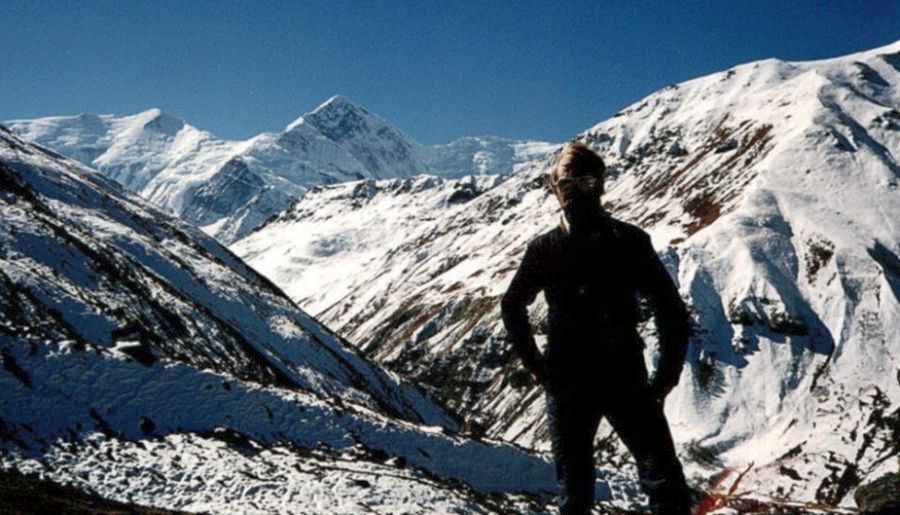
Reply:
x=341, y=120
x=337, y=103
x=382, y=149
x=158, y=120
x=335, y=107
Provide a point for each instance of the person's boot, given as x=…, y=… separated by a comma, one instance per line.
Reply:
x=670, y=498
x=672, y=508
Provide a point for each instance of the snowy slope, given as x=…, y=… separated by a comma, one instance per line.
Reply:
x=112, y=271
x=231, y=187
x=130, y=149
x=174, y=436
x=143, y=361
x=771, y=191
x=345, y=227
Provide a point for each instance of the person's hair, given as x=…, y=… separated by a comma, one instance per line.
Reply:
x=578, y=156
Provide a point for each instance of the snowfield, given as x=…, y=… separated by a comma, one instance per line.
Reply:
x=173, y=436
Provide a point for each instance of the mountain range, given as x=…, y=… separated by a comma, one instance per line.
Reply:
x=229, y=188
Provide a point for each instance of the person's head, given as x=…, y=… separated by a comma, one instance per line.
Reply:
x=576, y=177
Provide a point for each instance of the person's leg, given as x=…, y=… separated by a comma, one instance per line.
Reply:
x=641, y=424
x=573, y=424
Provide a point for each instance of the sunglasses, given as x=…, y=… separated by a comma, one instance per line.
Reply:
x=584, y=183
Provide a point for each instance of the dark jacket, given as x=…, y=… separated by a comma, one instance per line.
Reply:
x=591, y=282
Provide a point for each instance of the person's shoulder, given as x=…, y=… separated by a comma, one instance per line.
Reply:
x=548, y=237
x=632, y=240
x=627, y=231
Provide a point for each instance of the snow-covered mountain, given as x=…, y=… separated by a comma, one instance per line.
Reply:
x=771, y=192
x=230, y=187
x=380, y=147
x=143, y=361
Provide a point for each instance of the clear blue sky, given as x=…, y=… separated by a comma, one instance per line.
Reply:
x=436, y=70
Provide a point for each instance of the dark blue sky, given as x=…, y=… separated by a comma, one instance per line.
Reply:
x=437, y=70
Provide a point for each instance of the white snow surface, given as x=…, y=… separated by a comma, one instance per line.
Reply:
x=231, y=187
x=771, y=192
x=345, y=227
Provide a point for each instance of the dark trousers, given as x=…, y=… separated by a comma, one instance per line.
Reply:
x=574, y=413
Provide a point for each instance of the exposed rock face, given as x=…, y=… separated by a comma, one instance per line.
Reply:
x=881, y=496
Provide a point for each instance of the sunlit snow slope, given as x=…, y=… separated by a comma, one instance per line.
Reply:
x=771, y=192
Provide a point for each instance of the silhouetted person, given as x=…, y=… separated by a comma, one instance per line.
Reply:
x=591, y=268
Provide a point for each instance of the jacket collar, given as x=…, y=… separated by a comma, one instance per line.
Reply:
x=564, y=223
x=567, y=227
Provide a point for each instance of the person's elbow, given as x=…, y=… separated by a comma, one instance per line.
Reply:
x=509, y=308
x=510, y=304
x=514, y=314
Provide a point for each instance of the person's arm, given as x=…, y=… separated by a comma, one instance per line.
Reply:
x=672, y=318
x=522, y=290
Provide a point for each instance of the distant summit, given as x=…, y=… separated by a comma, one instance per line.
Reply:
x=334, y=108
x=160, y=121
